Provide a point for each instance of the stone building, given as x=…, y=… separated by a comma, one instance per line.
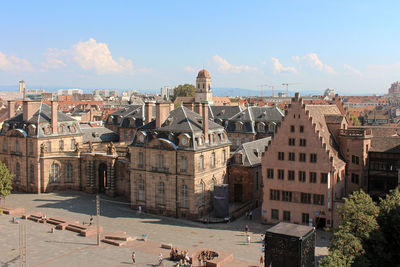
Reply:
x=303, y=169
x=244, y=172
x=253, y=123
x=176, y=160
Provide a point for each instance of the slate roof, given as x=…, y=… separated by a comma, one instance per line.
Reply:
x=333, y=118
x=223, y=112
x=385, y=144
x=98, y=134
x=252, y=115
x=290, y=229
x=184, y=120
x=132, y=111
x=43, y=114
x=252, y=151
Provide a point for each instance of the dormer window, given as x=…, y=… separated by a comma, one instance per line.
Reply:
x=201, y=141
x=239, y=126
x=261, y=127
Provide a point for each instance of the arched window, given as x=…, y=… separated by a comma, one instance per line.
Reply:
x=200, y=192
x=141, y=190
x=54, y=173
x=184, y=196
x=69, y=176
x=213, y=159
x=213, y=183
x=161, y=193
x=32, y=174
x=17, y=171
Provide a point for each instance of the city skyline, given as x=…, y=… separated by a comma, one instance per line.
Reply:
x=350, y=47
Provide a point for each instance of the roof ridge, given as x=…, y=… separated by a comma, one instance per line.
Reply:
x=187, y=119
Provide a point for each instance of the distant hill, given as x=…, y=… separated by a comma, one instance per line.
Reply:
x=219, y=91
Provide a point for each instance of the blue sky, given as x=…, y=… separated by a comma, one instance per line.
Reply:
x=352, y=46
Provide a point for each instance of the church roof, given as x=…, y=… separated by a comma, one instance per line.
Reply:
x=203, y=74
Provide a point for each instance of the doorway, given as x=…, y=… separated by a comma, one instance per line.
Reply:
x=102, y=177
x=320, y=222
x=238, y=193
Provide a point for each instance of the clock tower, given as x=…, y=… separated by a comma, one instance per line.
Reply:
x=203, y=87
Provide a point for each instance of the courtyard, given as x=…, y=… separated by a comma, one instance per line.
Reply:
x=66, y=248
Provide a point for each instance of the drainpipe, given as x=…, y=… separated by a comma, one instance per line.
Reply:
x=176, y=183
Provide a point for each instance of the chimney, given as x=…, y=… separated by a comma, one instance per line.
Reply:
x=11, y=109
x=29, y=108
x=205, y=120
x=188, y=105
x=148, y=112
x=54, y=117
x=162, y=112
x=197, y=108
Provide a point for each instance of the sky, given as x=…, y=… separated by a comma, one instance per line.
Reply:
x=351, y=46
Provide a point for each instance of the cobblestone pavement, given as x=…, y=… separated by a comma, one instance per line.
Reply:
x=65, y=248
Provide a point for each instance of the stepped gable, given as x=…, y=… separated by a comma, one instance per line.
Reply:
x=318, y=115
x=252, y=151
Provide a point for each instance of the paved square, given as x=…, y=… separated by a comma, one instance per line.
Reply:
x=66, y=248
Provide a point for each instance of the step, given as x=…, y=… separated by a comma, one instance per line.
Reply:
x=114, y=242
x=61, y=226
x=90, y=231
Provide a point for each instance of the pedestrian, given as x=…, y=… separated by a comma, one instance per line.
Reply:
x=248, y=239
x=251, y=215
x=140, y=209
x=247, y=214
x=246, y=228
x=133, y=257
x=160, y=258
x=91, y=220
x=261, y=261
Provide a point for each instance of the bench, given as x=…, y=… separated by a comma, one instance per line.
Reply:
x=166, y=246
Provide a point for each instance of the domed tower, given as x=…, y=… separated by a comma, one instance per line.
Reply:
x=203, y=87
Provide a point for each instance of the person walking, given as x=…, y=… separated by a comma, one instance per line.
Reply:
x=248, y=239
x=91, y=220
x=246, y=228
x=133, y=257
x=261, y=261
x=251, y=215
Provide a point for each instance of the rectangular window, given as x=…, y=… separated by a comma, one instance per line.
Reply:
x=303, y=142
x=318, y=199
x=281, y=155
x=302, y=157
x=274, y=214
x=270, y=173
x=223, y=156
x=355, y=178
x=292, y=156
x=292, y=142
x=183, y=164
x=61, y=145
x=355, y=160
x=290, y=175
x=212, y=159
x=313, y=177
x=305, y=218
x=16, y=146
x=313, y=158
x=274, y=194
x=301, y=128
x=302, y=176
x=160, y=161
x=201, y=162
x=30, y=148
x=305, y=198
x=287, y=196
x=72, y=144
x=286, y=216
x=140, y=160
x=4, y=145
x=324, y=178
x=281, y=174
x=292, y=128
x=48, y=145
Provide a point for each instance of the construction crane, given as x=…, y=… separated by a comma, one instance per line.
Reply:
x=287, y=87
x=262, y=86
x=272, y=88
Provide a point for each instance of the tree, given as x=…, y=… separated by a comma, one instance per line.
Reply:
x=355, y=120
x=6, y=179
x=184, y=90
x=369, y=235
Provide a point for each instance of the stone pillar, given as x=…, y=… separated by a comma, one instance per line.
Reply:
x=111, y=183
x=90, y=176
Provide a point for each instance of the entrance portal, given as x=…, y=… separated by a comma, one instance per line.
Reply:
x=320, y=222
x=102, y=177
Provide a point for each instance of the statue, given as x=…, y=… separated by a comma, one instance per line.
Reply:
x=43, y=148
x=77, y=149
x=111, y=149
x=91, y=148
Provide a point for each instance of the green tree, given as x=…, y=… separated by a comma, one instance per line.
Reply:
x=184, y=90
x=6, y=179
x=359, y=220
x=355, y=120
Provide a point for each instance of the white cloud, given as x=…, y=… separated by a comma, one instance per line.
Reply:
x=91, y=55
x=316, y=63
x=225, y=66
x=189, y=69
x=54, y=58
x=10, y=63
x=278, y=67
x=352, y=70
